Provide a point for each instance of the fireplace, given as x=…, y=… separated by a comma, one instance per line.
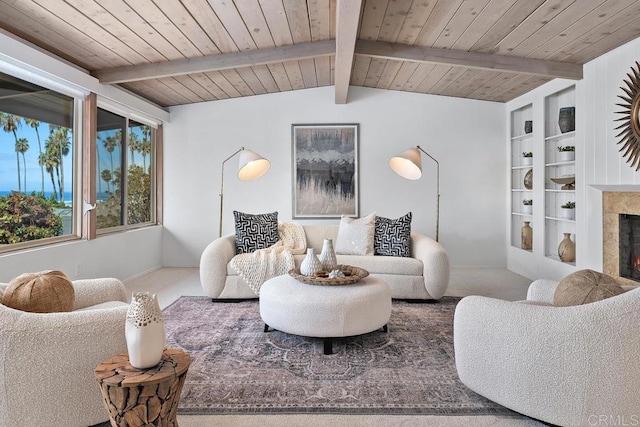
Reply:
x=621, y=235
x=629, y=246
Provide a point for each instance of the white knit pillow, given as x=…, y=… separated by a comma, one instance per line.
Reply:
x=356, y=236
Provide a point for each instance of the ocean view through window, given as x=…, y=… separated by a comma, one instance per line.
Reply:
x=36, y=163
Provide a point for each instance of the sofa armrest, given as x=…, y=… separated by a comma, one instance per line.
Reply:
x=213, y=264
x=435, y=264
x=90, y=292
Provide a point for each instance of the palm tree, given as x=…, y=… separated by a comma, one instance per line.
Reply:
x=22, y=145
x=11, y=123
x=35, y=124
x=59, y=146
x=107, y=177
x=44, y=160
x=145, y=148
x=134, y=145
x=110, y=143
x=52, y=150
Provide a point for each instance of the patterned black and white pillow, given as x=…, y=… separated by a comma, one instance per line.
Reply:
x=255, y=232
x=393, y=236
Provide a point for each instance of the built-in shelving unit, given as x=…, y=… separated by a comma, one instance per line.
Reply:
x=521, y=169
x=557, y=165
x=547, y=220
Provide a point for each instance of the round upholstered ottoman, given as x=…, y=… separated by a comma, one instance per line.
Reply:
x=325, y=311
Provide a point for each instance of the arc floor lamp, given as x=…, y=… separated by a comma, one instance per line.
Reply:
x=251, y=165
x=408, y=164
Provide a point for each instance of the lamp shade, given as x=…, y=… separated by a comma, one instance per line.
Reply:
x=251, y=165
x=407, y=164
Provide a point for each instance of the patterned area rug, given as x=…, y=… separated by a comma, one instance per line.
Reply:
x=236, y=368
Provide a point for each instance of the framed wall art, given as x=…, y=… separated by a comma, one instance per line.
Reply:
x=325, y=170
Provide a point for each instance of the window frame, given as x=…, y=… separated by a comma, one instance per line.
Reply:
x=76, y=184
x=124, y=162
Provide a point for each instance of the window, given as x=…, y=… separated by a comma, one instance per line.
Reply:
x=123, y=144
x=37, y=145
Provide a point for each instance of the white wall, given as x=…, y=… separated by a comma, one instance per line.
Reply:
x=466, y=136
x=604, y=165
x=597, y=158
x=122, y=255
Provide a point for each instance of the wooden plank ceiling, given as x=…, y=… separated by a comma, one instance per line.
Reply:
x=178, y=52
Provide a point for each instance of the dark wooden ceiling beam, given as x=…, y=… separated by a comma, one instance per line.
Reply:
x=486, y=61
x=226, y=61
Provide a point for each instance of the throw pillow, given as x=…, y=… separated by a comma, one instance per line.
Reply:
x=356, y=236
x=393, y=236
x=43, y=292
x=585, y=286
x=255, y=232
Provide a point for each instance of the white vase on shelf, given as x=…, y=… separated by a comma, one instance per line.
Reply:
x=328, y=256
x=311, y=264
x=144, y=331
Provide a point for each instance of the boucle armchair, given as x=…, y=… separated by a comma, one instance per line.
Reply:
x=424, y=275
x=569, y=366
x=47, y=360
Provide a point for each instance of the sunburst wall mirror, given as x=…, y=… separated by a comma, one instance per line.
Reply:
x=630, y=127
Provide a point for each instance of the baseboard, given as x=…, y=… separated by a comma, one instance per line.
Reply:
x=139, y=275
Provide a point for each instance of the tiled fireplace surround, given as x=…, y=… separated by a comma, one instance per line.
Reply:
x=613, y=204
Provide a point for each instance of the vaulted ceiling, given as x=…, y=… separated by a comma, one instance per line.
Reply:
x=184, y=51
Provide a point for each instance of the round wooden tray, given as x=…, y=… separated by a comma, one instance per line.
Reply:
x=352, y=275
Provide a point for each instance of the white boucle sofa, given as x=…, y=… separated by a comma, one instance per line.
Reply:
x=568, y=366
x=425, y=275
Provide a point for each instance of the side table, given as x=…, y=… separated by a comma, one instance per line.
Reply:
x=140, y=397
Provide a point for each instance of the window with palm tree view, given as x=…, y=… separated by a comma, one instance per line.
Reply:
x=36, y=162
x=123, y=144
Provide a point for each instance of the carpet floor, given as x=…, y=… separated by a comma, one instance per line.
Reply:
x=237, y=368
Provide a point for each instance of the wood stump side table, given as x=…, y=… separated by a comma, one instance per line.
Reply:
x=143, y=397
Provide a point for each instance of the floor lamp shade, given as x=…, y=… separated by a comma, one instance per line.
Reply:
x=407, y=164
x=251, y=165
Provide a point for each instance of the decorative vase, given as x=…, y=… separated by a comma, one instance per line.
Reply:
x=527, y=236
x=527, y=209
x=528, y=126
x=144, y=331
x=567, y=119
x=311, y=264
x=527, y=161
x=328, y=256
x=567, y=249
x=528, y=180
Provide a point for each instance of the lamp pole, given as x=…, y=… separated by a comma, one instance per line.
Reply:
x=222, y=187
x=437, y=192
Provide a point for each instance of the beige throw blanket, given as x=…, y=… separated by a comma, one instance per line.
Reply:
x=259, y=266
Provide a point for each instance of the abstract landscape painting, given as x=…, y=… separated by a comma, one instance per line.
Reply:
x=325, y=170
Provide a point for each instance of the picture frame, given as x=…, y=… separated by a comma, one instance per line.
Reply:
x=325, y=170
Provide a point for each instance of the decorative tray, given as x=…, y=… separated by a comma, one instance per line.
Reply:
x=351, y=275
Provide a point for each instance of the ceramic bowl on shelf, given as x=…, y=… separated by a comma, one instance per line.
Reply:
x=566, y=182
x=571, y=179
